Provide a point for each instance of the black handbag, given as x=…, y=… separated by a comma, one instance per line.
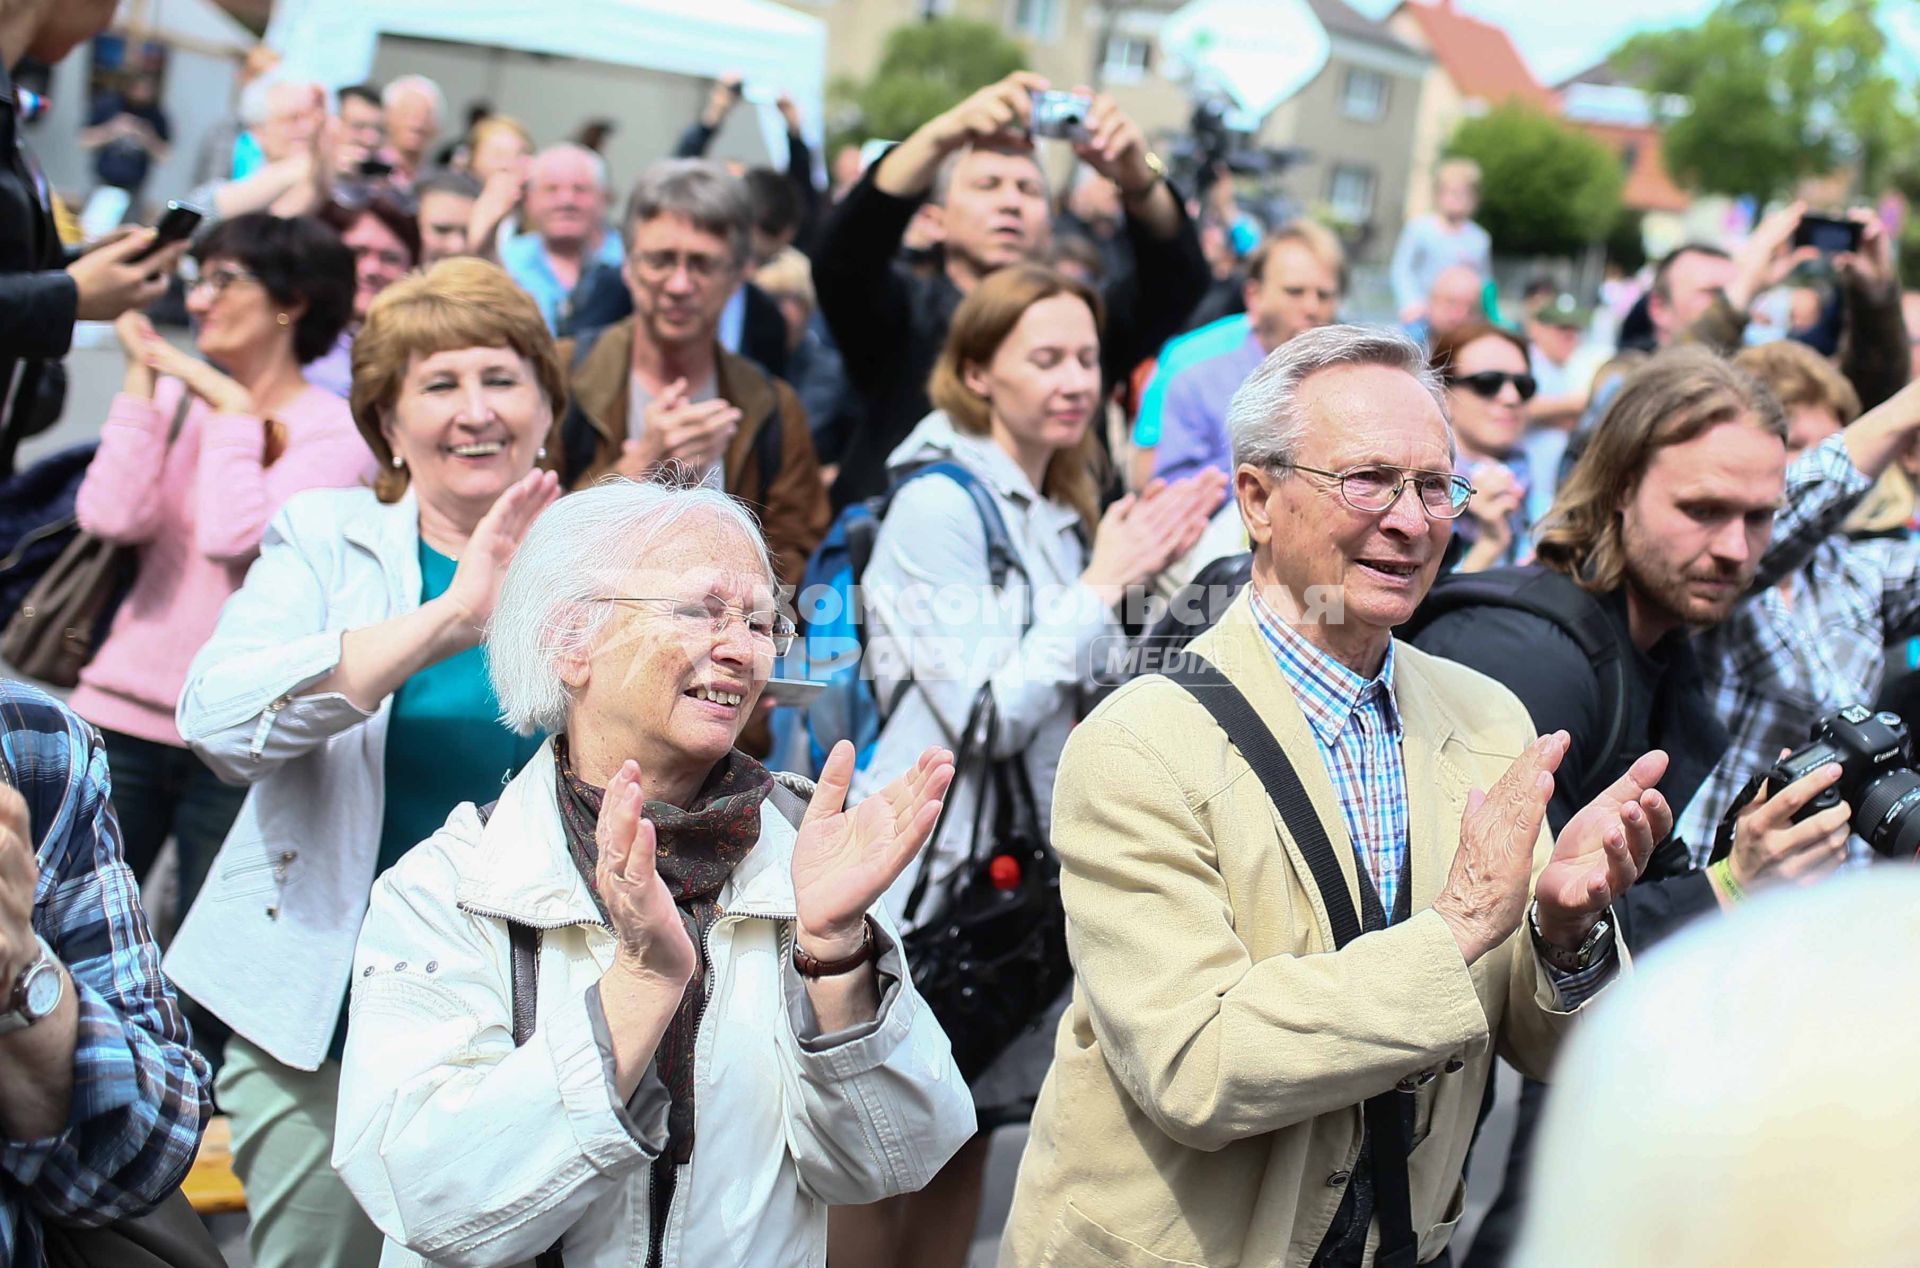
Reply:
x=993, y=956
x=169, y=1236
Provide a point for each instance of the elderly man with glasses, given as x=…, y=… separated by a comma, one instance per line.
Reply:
x=1308, y=888
x=659, y=390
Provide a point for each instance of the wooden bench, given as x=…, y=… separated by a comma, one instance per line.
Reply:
x=211, y=1185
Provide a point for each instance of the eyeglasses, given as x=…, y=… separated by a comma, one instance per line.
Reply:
x=1487, y=383
x=663, y=264
x=711, y=616
x=219, y=279
x=1374, y=489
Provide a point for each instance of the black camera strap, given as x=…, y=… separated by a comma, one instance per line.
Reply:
x=1723, y=834
x=1387, y=1117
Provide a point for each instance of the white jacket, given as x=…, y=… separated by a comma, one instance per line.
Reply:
x=932, y=538
x=268, y=946
x=466, y=1150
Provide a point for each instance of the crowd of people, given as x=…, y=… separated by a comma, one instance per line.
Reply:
x=531, y=906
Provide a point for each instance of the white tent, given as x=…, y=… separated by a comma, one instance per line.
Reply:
x=775, y=48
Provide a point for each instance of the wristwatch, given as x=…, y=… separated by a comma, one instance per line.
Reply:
x=36, y=992
x=1582, y=956
x=1159, y=171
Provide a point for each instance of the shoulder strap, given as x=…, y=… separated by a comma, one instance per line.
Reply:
x=1387, y=1116
x=1245, y=730
x=1000, y=557
x=789, y=796
x=524, y=941
x=179, y=415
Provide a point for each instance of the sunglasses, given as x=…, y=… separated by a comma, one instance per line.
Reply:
x=1487, y=383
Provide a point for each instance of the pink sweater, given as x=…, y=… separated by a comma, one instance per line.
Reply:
x=197, y=512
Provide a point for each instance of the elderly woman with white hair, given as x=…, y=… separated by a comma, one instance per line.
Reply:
x=647, y=1007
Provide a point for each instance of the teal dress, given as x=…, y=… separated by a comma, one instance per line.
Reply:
x=445, y=745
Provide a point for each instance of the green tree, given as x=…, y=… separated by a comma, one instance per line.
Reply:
x=1765, y=92
x=927, y=67
x=1546, y=188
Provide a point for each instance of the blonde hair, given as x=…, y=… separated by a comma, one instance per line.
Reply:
x=1803, y=379
x=1321, y=243
x=1457, y=168
x=980, y=325
x=493, y=123
x=459, y=303
x=787, y=275
x=1674, y=397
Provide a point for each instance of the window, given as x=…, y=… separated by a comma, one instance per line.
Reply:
x=1350, y=194
x=1127, y=60
x=1039, y=19
x=1365, y=94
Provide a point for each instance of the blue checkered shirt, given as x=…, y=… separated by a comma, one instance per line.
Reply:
x=1356, y=727
x=139, y=1092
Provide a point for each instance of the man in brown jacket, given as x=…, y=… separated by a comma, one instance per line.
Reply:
x=658, y=390
x=1205, y=1106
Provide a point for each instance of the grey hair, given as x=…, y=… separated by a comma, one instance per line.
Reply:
x=420, y=84
x=703, y=191
x=568, y=149
x=1264, y=419
x=547, y=608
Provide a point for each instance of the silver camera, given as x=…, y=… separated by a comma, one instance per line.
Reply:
x=1062, y=115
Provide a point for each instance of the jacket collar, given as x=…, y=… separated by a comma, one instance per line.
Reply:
x=521, y=870
x=390, y=532
x=600, y=387
x=1437, y=785
x=936, y=439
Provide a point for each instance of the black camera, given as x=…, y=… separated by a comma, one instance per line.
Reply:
x=1876, y=777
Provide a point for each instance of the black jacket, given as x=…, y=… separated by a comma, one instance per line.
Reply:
x=1667, y=709
x=890, y=324
x=38, y=300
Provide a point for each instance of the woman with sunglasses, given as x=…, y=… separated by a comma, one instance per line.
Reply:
x=1488, y=383
x=194, y=459
x=346, y=684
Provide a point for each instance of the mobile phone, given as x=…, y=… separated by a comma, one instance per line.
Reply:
x=1062, y=115
x=1829, y=235
x=176, y=225
x=798, y=692
x=375, y=168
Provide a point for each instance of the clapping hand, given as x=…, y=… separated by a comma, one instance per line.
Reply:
x=844, y=860
x=1602, y=851
x=483, y=565
x=19, y=878
x=1142, y=533
x=651, y=940
x=1485, y=893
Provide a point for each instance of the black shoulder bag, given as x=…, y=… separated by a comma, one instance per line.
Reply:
x=994, y=954
x=1388, y=1116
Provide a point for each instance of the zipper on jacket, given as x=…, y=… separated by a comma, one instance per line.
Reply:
x=659, y=1219
x=258, y=744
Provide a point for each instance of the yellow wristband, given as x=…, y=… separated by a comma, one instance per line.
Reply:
x=1724, y=870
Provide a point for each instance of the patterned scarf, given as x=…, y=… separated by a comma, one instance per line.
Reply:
x=696, y=849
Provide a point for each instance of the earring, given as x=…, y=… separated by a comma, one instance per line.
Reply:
x=283, y=319
x=540, y=454
x=398, y=462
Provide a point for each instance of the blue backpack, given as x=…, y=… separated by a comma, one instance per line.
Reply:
x=834, y=640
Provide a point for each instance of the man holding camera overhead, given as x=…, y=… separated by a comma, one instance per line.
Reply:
x=977, y=165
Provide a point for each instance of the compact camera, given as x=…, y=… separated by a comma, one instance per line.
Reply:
x=1062, y=115
x=1877, y=777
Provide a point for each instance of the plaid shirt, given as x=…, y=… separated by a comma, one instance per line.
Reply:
x=1356, y=727
x=1794, y=653
x=139, y=1092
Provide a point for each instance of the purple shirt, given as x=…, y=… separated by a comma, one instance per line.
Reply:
x=1193, y=426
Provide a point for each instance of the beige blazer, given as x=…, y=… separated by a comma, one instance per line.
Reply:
x=1204, y=1102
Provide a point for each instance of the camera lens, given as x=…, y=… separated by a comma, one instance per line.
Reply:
x=1888, y=814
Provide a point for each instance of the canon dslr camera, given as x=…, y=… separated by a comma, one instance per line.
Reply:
x=1876, y=777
